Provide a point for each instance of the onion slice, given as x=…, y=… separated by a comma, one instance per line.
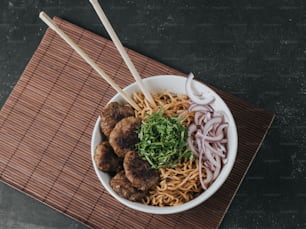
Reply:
x=197, y=98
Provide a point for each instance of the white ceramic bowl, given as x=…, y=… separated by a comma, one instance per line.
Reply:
x=174, y=84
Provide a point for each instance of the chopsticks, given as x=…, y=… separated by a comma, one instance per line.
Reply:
x=43, y=16
x=121, y=50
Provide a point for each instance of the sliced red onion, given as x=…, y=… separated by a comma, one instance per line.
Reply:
x=209, y=125
x=192, y=147
x=207, y=117
x=214, y=150
x=209, y=177
x=208, y=165
x=198, y=118
x=207, y=135
x=197, y=107
x=218, y=168
x=196, y=98
x=192, y=129
x=209, y=155
x=200, y=172
x=214, y=138
x=220, y=128
x=220, y=146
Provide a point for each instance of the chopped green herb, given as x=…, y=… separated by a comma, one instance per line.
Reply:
x=163, y=141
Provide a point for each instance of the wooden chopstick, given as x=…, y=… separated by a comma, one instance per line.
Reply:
x=61, y=33
x=121, y=50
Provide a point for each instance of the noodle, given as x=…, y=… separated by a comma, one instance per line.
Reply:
x=171, y=104
x=181, y=183
x=177, y=186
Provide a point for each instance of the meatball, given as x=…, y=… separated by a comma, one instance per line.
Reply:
x=123, y=137
x=138, y=172
x=123, y=187
x=105, y=158
x=112, y=114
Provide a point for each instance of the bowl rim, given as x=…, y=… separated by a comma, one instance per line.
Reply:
x=214, y=187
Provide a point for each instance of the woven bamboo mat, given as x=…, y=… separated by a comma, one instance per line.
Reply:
x=46, y=125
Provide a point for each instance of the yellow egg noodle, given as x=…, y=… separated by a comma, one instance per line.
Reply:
x=181, y=183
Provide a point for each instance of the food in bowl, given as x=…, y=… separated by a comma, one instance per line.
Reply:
x=167, y=158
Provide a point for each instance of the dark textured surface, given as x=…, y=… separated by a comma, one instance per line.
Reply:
x=252, y=49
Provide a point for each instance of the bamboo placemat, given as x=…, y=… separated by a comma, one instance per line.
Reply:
x=47, y=121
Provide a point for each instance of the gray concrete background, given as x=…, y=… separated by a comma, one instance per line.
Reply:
x=255, y=50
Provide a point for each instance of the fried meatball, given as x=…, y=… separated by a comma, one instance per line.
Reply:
x=123, y=137
x=123, y=187
x=138, y=172
x=112, y=114
x=105, y=158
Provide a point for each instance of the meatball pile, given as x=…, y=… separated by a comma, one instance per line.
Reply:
x=117, y=154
